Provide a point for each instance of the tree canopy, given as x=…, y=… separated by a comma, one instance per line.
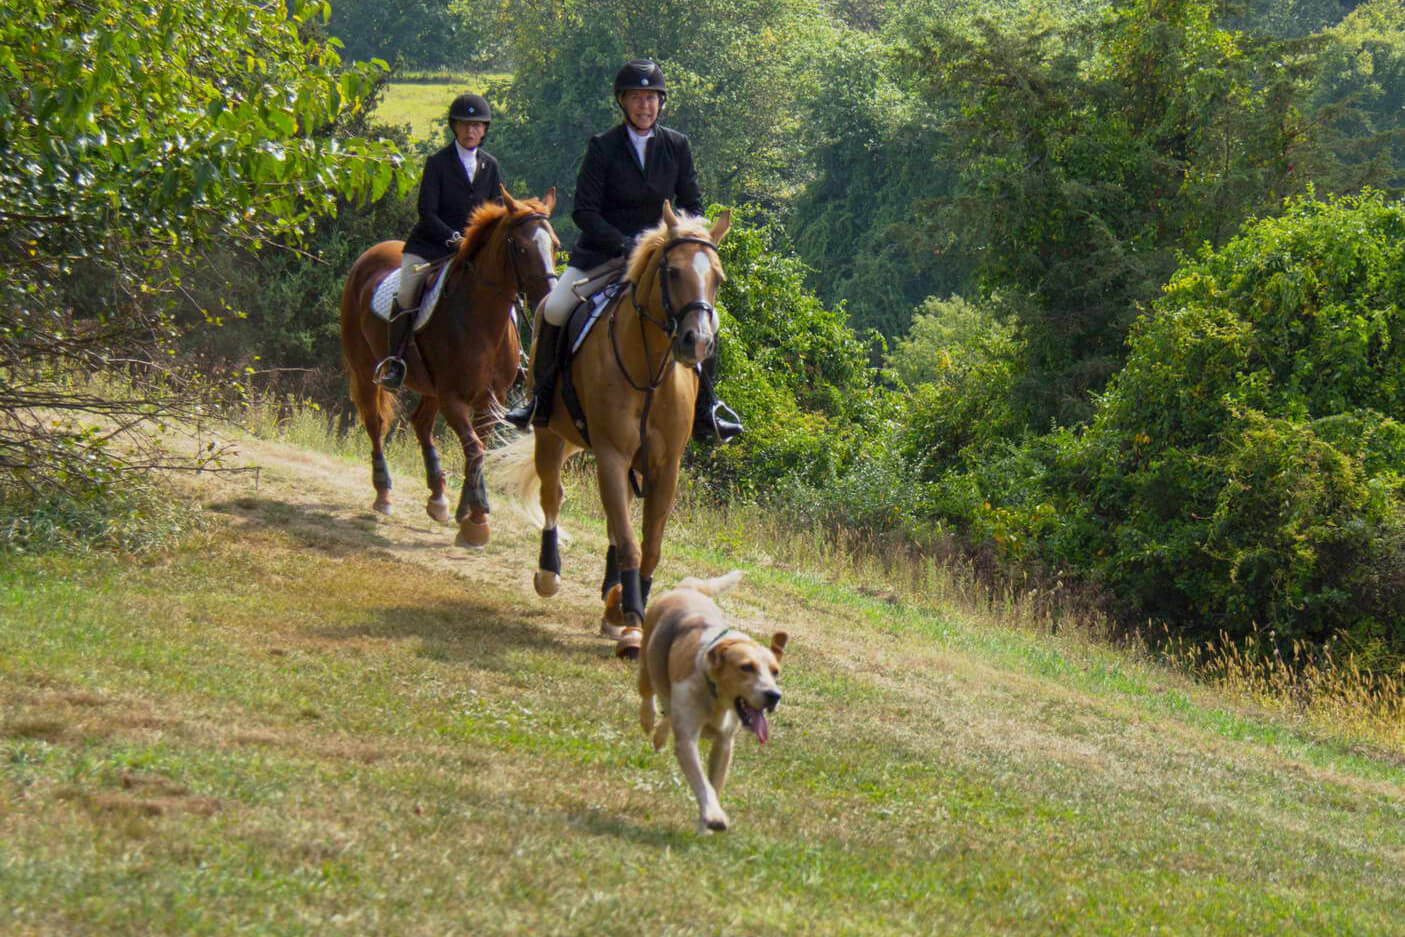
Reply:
x=132, y=133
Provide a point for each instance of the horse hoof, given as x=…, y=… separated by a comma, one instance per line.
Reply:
x=612, y=621
x=472, y=535
x=627, y=646
x=382, y=507
x=438, y=509
x=546, y=583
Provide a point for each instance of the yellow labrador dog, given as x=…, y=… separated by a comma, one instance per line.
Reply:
x=709, y=681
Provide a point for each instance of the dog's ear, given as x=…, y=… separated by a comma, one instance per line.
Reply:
x=717, y=653
x=778, y=642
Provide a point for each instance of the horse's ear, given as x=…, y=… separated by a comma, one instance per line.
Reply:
x=721, y=226
x=668, y=215
x=549, y=200
x=507, y=199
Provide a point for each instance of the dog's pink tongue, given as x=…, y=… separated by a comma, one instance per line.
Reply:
x=760, y=726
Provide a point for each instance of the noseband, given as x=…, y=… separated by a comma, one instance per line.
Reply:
x=676, y=316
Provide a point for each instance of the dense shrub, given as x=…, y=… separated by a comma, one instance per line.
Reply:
x=1244, y=468
x=792, y=368
x=961, y=363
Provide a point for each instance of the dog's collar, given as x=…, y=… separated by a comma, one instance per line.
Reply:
x=712, y=687
x=713, y=643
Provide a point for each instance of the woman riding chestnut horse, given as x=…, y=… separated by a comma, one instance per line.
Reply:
x=465, y=358
x=456, y=180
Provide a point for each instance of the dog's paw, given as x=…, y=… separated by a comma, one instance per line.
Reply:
x=712, y=823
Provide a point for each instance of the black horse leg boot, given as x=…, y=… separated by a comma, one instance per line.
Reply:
x=390, y=372
x=536, y=411
x=713, y=420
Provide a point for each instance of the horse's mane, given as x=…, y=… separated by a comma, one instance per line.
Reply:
x=652, y=240
x=485, y=216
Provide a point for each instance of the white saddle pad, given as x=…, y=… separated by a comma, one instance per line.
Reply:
x=390, y=286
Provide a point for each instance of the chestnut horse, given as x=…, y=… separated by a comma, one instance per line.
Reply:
x=465, y=359
x=636, y=379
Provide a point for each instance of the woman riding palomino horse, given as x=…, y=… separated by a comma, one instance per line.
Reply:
x=628, y=173
x=638, y=381
x=456, y=180
x=465, y=359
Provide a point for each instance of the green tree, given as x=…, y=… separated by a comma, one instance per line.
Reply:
x=1362, y=87
x=1094, y=152
x=734, y=70
x=863, y=222
x=1287, y=18
x=793, y=369
x=132, y=135
x=452, y=34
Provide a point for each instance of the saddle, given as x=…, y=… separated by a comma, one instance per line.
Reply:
x=429, y=291
x=602, y=287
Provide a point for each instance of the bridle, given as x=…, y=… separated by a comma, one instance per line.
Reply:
x=516, y=252
x=673, y=317
x=669, y=328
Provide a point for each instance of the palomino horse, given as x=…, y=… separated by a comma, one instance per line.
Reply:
x=465, y=359
x=636, y=380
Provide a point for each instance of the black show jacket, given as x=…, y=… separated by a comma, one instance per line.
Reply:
x=615, y=199
x=447, y=198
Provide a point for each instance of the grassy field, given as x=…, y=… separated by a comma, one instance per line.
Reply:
x=311, y=720
x=423, y=103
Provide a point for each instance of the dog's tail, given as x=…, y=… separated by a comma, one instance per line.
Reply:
x=715, y=586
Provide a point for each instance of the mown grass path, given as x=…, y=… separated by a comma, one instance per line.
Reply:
x=310, y=720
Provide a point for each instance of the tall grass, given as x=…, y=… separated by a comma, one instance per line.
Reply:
x=138, y=516
x=1327, y=686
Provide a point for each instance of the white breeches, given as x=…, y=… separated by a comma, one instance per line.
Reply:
x=562, y=299
x=410, y=279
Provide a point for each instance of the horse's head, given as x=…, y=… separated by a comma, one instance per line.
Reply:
x=688, y=273
x=532, y=243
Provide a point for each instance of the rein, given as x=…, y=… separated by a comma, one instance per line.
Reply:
x=514, y=252
x=669, y=328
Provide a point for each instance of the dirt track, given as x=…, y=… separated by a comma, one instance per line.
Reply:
x=326, y=501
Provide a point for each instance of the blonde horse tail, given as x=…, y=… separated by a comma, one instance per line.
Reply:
x=513, y=468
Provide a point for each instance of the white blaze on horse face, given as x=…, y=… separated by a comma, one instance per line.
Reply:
x=543, y=242
x=702, y=265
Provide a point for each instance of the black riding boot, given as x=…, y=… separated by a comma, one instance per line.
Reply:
x=390, y=372
x=536, y=411
x=713, y=420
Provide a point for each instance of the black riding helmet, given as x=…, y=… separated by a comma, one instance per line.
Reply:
x=642, y=74
x=470, y=107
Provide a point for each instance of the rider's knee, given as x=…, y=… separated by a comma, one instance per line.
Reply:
x=557, y=306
